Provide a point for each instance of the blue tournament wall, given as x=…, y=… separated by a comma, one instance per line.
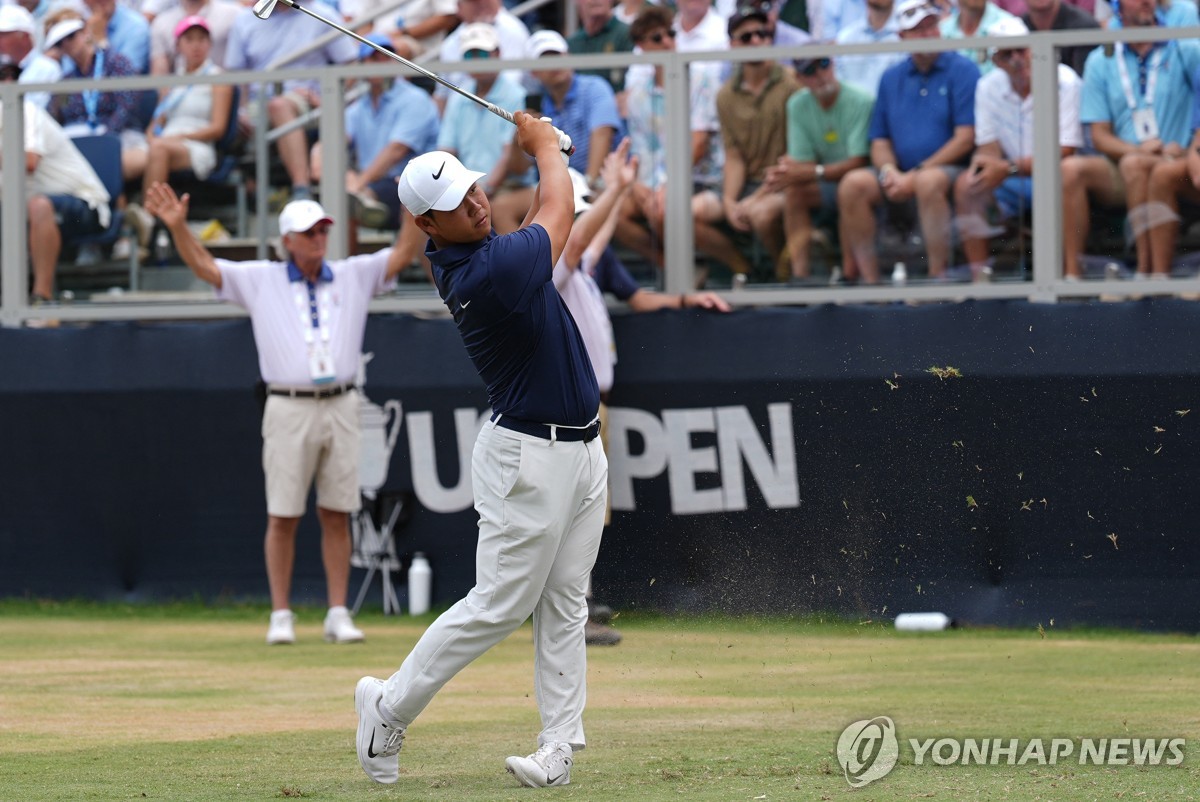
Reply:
x=782, y=460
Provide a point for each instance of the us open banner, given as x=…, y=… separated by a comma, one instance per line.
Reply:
x=1000, y=462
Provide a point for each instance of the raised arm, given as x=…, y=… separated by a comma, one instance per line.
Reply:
x=555, y=197
x=162, y=202
x=618, y=172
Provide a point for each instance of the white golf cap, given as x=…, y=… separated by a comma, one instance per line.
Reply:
x=912, y=13
x=1008, y=26
x=478, y=36
x=60, y=31
x=435, y=180
x=301, y=215
x=14, y=18
x=544, y=42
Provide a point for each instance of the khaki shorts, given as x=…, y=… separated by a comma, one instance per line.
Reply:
x=306, y=439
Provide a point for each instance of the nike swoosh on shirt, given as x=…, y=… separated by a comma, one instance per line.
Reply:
x=438, y=174
x=464, y=304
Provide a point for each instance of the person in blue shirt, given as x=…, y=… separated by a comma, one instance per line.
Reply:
x=583, y=106
x=922, y=132
x=117, y=27
x=483, y=141
x=1137, y=104
x=385, y=128
x=538, y=472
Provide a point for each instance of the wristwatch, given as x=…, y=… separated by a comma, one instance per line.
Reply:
x=1012, y=169
x=819, y=171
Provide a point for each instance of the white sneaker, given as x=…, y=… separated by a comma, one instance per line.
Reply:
x=282, y=629
x=339, y=627
x=378, y=741
x=549, y=765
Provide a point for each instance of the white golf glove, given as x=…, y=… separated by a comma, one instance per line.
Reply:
x=564, y=143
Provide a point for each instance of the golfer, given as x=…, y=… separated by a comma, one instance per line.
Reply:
x=308, y=317
x=538, y=472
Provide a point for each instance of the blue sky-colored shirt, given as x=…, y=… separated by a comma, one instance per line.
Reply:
x=516, y=328
x=405, y=114
x=589, y=104
x=1104, y=98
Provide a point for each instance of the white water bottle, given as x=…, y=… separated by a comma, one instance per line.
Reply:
x=420, y=583
x=923, y=622
x=899, y=273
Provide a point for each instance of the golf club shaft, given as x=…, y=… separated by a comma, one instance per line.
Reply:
x=492, y=107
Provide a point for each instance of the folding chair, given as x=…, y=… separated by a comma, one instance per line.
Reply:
x=374, y=526
x=103, y=153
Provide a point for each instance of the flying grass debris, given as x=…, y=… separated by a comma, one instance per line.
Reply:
x=948, y=372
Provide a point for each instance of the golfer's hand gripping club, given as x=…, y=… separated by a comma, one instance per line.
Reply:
x=565, y=145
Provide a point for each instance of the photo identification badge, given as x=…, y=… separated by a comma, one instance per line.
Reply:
x=1145, y=127
x=320, y=362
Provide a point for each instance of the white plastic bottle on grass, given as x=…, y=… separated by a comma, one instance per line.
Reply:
x=420, y=583
x=923, y=622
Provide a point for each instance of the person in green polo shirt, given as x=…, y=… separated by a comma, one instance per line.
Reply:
x=600, y=32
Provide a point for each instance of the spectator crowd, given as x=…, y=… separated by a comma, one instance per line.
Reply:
x=787, y=155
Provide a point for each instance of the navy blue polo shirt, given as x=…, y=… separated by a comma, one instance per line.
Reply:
x=516, y=328
x=611, y=275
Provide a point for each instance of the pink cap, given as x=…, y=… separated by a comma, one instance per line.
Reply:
x=194, y=21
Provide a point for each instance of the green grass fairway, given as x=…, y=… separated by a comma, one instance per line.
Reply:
x=110, y=702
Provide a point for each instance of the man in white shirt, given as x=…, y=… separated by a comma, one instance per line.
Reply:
x=18, y=44
x=308, y=317
x=1002, y=166
x=64, y=195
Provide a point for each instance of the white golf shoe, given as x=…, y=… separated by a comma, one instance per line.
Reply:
x=378, y=741
x=549, y=765
x=282, y=630
x=339, y=627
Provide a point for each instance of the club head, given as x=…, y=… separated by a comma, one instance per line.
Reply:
x=263, y=8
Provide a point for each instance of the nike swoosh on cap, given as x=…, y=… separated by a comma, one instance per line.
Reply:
x=438, y=174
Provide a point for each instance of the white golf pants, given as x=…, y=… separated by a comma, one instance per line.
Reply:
x=541, y=514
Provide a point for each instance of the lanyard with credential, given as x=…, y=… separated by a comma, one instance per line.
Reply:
x=313, y=304
x=1151, y=77
x=91, y=97
x=175, y=97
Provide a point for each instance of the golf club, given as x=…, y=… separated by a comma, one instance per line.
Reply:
x=263, y=9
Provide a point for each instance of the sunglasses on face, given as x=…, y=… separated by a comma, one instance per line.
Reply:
x=812, y=68
x=746, y=37
x=661, y=36
x=316, y=231
x=1008, y=55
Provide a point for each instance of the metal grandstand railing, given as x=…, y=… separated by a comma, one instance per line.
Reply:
x=1045, y=282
